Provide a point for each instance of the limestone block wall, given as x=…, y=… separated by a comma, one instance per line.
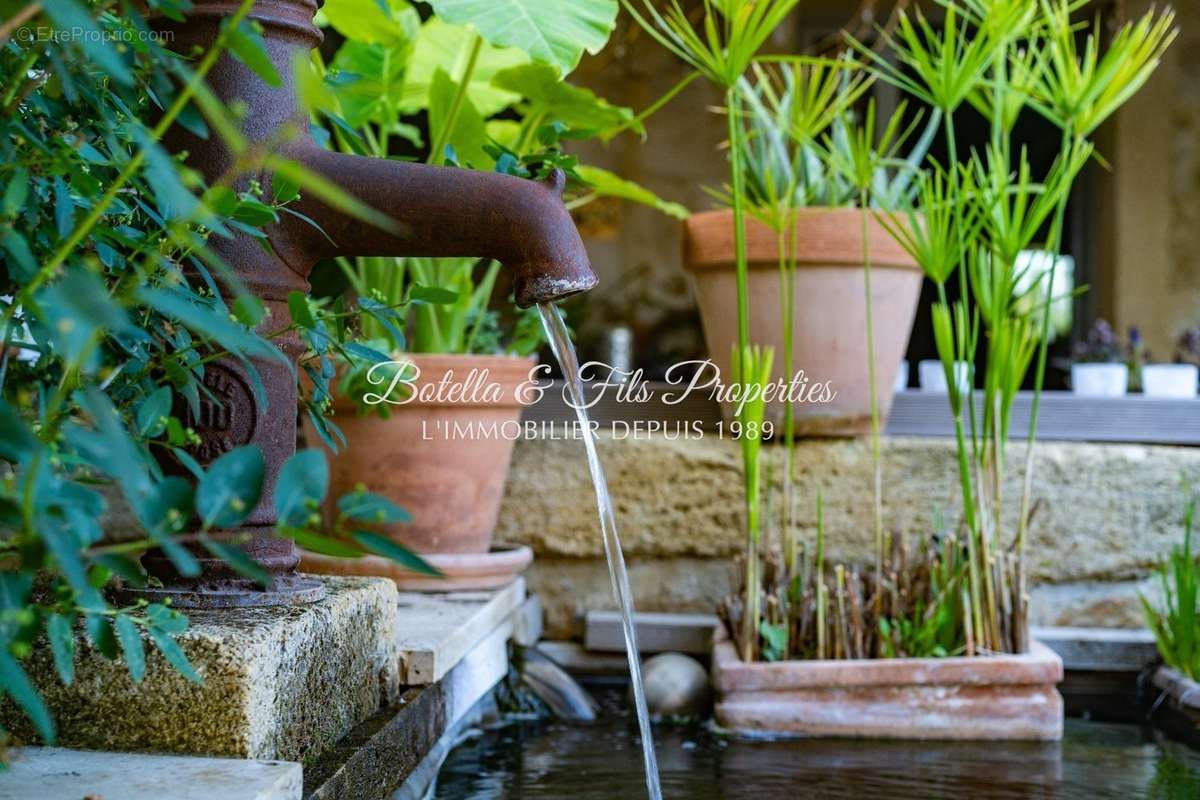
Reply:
x=1106, y=515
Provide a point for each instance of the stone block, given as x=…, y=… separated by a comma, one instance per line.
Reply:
x=436, y=631
x=528, y=622
x=279, y=683
x=56, y=773
x=1100, y=649
x=386, y=750
x=656, y=632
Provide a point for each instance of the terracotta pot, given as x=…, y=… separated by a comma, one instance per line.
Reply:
x=981, y=697
x=830, y=340
x=450, y=484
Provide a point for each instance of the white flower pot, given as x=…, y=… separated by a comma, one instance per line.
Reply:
x=1099, y=380
x=901, y=378
x=932, y=375
x=1170, y=380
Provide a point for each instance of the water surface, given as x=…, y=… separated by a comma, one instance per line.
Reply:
x=601, y=761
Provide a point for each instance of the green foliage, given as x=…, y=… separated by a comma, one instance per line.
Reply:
x=976, y=220
x=112, y=306
x=792, y=142
x=555, y=32
x=1176, y=623
x=490, y=77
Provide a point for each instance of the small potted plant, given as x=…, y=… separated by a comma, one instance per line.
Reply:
x=1100, y=365
x=1180, y=379
x=808, y=242
x=1175, y=622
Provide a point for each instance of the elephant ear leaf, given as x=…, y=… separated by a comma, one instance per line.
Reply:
x=555, y=32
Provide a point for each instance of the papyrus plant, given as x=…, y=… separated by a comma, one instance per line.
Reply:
x=721, y=46
x=975, y=218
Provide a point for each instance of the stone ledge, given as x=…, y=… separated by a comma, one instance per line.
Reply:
x=56, y=773
x=436, y=631
x=279, y=683
x=382, y=753
x=1107, y=512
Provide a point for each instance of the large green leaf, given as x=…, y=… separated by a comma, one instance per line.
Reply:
x=554, y=31
x=390, y=23
x=607, y=184
x=448, y=47
x=550, y=99
x=468, y=134
x=369, y=81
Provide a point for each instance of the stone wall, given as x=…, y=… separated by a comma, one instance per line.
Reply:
x=1106, y=515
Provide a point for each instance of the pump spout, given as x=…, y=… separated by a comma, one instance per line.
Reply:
x=439, y=211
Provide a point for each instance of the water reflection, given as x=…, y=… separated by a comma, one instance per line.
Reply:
x=601, y=761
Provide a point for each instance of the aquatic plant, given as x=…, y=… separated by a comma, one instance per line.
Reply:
x=978, y=216
x=1176, y=622
x=973, y=221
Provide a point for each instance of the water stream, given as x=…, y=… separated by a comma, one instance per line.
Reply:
x=564, y=351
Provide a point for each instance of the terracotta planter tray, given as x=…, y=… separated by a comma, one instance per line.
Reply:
x=986, y=697
x=463, y=571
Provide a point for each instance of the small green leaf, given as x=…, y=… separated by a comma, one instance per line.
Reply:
x=369, y=354
x=101, y=634
x=174, y=655
x=283, y=189
x=16, y=685
x=248, y=46
x=255, y=213
x=15, y=193
x=166, y=619
x=381, y=545
x=249, y=310
x=302, y=483
x=131, y=644
x=432, y=294
x=152, y=411
x=231, y=487
x=16, y=439
x=373, y=508
x=123, y=567
x=325, y=545
x=62, y=645
x=298, y=307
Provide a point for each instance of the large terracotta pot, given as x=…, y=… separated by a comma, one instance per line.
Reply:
x=444, y=461
x=830, y=340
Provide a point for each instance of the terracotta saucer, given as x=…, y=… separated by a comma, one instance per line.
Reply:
x=462, y=571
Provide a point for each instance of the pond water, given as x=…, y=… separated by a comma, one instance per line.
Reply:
x=532, y=759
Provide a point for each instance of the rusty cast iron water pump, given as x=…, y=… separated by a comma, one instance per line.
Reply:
x=438, y=211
